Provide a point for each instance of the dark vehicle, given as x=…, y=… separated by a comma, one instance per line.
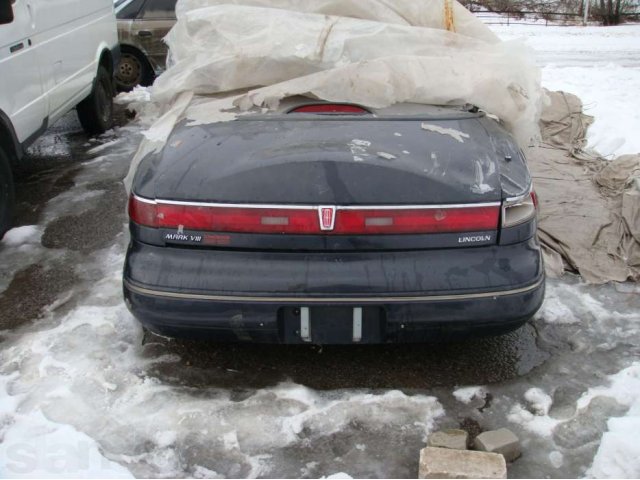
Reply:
x=142, y=26
x=330, y=223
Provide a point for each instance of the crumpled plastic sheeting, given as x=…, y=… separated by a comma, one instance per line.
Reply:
x=425, y=13
x=384, y=51
x=413, y=79
x=287, y=52
x=227, y=47
x=589, y=220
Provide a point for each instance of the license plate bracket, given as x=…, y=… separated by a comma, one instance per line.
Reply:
x=332, y=325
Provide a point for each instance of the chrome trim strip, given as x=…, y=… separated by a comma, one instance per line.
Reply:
x=418, y=207
x=519, y=199
x=339, y=300
x=144, y=200
x=315, y=207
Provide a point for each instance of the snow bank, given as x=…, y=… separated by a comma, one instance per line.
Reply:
x=619, y=450
x=601, y=66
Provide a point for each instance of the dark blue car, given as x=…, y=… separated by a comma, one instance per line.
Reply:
x=335, y=224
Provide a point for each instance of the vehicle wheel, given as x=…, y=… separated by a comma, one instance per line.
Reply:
x=6, y=193
x=96, y=111
x=133, y=69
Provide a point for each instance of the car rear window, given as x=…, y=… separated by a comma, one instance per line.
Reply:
x=159, y=10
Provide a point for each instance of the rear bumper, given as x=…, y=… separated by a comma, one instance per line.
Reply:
x=417, y=296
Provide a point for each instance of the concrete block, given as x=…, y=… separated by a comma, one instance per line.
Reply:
x=453, y=438
x=448, y=463
x=502, y=441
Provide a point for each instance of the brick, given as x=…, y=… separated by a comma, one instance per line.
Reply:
x=448, y=463
x=453, y=438
x=502, y=441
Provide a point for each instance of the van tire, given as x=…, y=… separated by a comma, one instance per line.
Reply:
x=96, y=111
x=7, y=192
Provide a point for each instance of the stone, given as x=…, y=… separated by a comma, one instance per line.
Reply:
x=502, y=441
x=448, y=463
x=453, y=438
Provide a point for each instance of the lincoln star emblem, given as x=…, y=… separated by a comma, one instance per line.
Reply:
x=327, y=217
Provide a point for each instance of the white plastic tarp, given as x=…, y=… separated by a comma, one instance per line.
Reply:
x=373, y=52
x=416, y=13
x=231, y=56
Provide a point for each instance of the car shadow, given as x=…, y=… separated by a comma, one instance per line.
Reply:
x=406, y=366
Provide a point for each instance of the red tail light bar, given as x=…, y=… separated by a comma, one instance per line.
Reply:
x=311, y=220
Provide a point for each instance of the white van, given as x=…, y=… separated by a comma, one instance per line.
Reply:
x=54, y=55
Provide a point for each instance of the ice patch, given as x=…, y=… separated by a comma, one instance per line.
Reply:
x=555, y=309
x=453, y=133
x=468, y=394
x=540, y=402
x=624, y=387
x=556, y=459
x=29, y=234
x=541, y=425
x=104, y=146
x=34, y=446
x=202, y=472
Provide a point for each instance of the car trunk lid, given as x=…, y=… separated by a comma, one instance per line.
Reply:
x=329, y=161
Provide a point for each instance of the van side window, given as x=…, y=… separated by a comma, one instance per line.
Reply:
x=159, y=10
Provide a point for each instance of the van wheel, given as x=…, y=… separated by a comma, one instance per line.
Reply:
x=133, y=69
x=6, y=193
x=96, y=111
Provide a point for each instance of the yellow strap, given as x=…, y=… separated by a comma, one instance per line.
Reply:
x=449, y=22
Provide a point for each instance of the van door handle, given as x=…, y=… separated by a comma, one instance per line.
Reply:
x=17, y=47
x=144, y=33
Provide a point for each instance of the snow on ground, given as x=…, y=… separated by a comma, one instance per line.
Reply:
x=76, y=399
x=600, y=65
x=620, y=443
x=80, y=395
x=467, y=394
x=22, y=236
